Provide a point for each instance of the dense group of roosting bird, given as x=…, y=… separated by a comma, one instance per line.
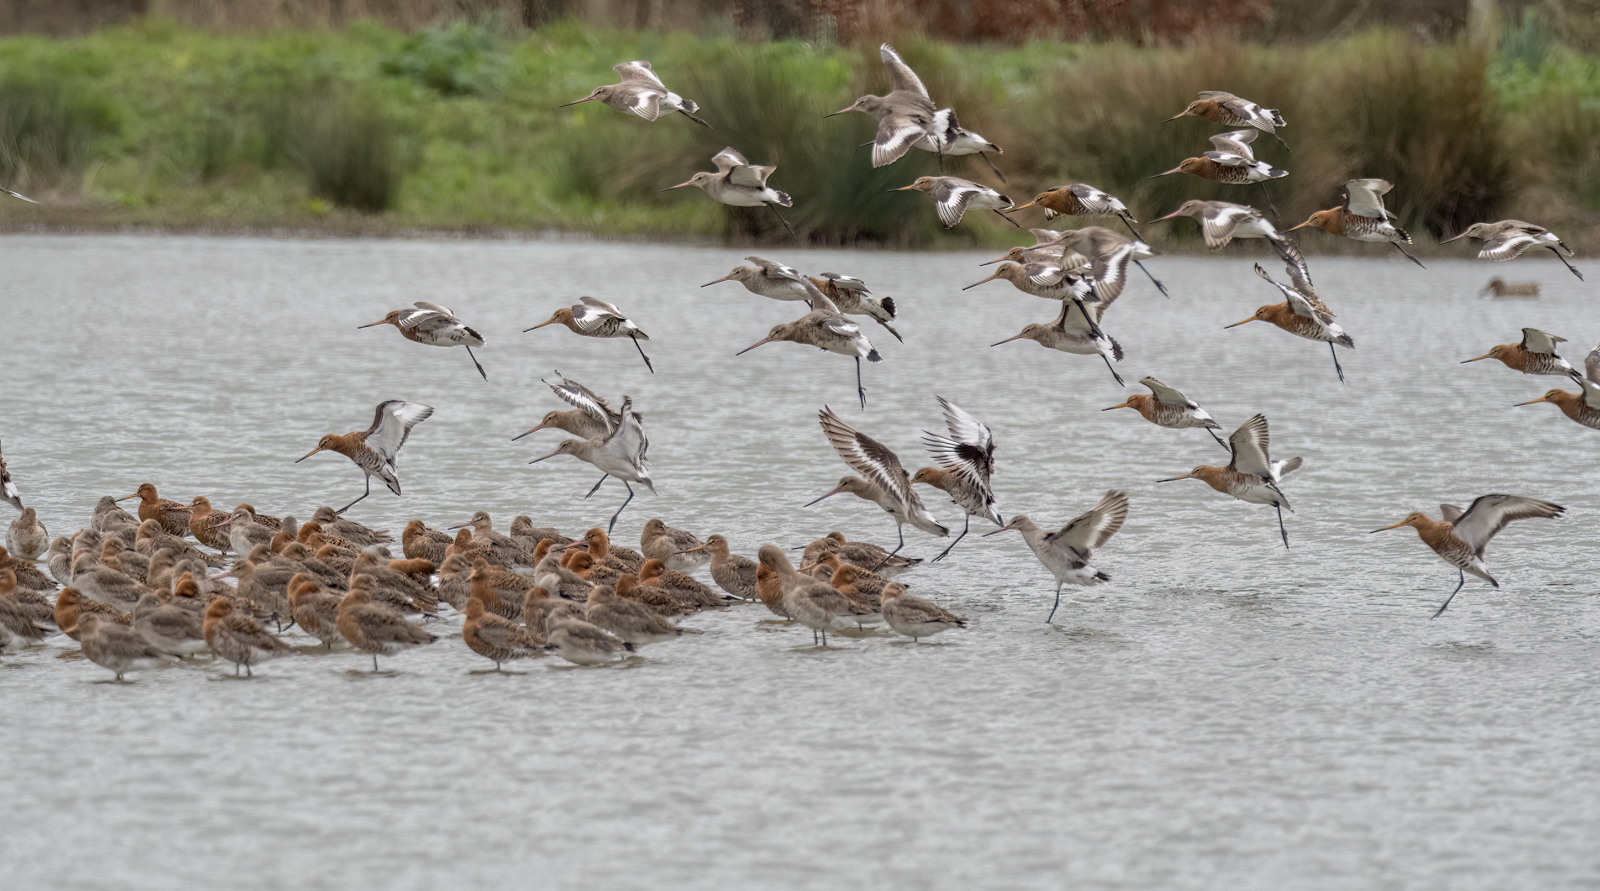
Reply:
x=136, y=592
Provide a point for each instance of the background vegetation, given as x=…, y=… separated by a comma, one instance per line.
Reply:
x=218, y=116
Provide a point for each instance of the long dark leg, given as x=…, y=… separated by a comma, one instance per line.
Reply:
x=353, y=503
x=1127, y=220
x=1569, y=266
x=860, y=390
x=1407, y=253
x=476, y=362
x=1452, y=593
x=1336, y=362
x=597, y=485
x=1217, y=438
x=641, y=354
x=1113, y=370
x=1159, y=286
x=965, y=525
x=374, y=663
x=1282, y=531
x=1053, y=608
x=708, y=127
x=824, y=637
x=901, y=530
x=248, y=673
x=985, y=157
x=1008, y=219
x=620, y=509
x=1267, y=196
x=783, y=221
x=1094, y=327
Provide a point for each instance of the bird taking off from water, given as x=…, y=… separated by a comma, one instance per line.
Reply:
x=374, y=449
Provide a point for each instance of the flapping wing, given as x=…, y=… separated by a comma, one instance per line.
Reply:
x=951, y=197
x=1092, y=529
x=641, y=99
x=751, y=175
x=897, y=133
x=19, y=195
x=1230, y=159
x=1096, y=202
x=727, y=159
x=1507, y=244
x=1449, y=513
x=847, y=283
x=868, y=457
x=814, y=294
x=434, y=307
x=1249, y=447
x=1489, y=514
x=1364, y=197
x=1218, y=223
x=1591, y=366
x=1044, y=236
x=1236, y=142
x=1166, y=394
x=392, y=424
x=585, y=400
x=900, y=74
x=639, y=71
x=968, y=450
x=627, y=438
x=1536, y=341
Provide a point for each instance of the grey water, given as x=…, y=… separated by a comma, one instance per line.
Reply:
x=1225, y=713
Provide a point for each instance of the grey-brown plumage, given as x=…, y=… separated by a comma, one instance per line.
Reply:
x=732, y=573
x=376, y=629
x=580, y=642
x=26, y=537
x=628, y=620
x=315, y=609
x=169, y=628
x=678, y=549
x=238, y=638
x=496, y=637
x=117, y=647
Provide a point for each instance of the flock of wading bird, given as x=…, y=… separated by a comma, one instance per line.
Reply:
x=138, y=593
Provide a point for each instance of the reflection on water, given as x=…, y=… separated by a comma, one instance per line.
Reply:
x=1225, y=712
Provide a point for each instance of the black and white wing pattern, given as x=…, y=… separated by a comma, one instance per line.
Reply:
x=8, y=490
x=968, y=451
x=876, y=462
x=1249, y=447
x=1247, y=111
x=1089, y=531
x=1364, y=198
x=1168, y=395
x=638, y=71
x=585, y=400
x=1488, y=514
x=1235, y=142
x=391, y=425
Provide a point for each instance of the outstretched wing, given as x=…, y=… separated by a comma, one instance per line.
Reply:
x=434, y=307
x=968, y=450
x=1536, y=341
x=1089, y=531
x=585, y=400
x=1236, y=142
x=900, y=74
x=868, y=457
x=1249, y=447
x=392, y=423
x=639, y=71
x=627, y=438
x=1591, y=366
x=1364, y=197
x=1096, y=202
x=1166, y=394
x=897, y=133
x=1488, y=514
x=727, y=159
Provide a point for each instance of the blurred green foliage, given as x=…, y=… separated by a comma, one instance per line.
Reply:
x=459, y=128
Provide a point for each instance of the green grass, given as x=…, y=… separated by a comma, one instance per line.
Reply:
x=458, y=129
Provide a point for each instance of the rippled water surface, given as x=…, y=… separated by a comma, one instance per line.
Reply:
x=1225, y=714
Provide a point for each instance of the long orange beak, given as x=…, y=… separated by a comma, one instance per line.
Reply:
x=570, y=104
x=1237, y=324
x=826, y=494
x=309, y=454
x=1024, y=206
x=1173, y=170
x=1386, y=528
x=1115, y=407
x=989, y=279
x=1176, y=116
x=719, y=281
x=1448, y=240
x=553, y=320
x=753, y=346
x=903, y=188
x=534, y=430
x=1007, y=340
x=1187, y=476
x=1167, y=217
x=1531, y=401
x=1301, y=226
x=125, y=498
x=989, y=263
x=678, y=186
x=1478, y=359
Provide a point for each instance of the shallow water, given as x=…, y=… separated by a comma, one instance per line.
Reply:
x=1225, y=713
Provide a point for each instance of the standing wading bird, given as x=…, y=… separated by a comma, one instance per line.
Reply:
x=592, y=416
x=739, y=183
x=1460, y=538
x=1507, y=239
x=1067, y=551
x=825, y=327
x=597, y=318
x=883, y=473
x=1250, y=475
x=954, y=196
x=1231, y=111
x=8, y=489
x=1231, y=162
x=1583, y=406
x=1302, y=315
x=433, y=325
x=967, y=456
x=1363, y=217
x=1536, y=354
x=642, y=93
x=905, y=116
x=374, y=449
x=1166, y=407
x=1074, y=331
x=620, y=453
